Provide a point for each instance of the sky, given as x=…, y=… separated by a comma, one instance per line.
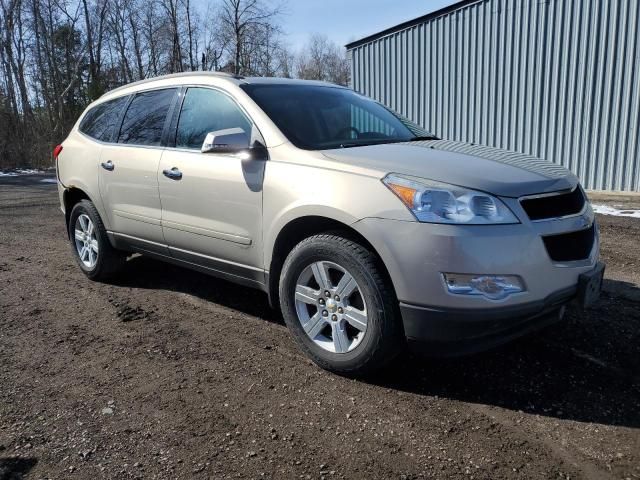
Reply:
x=346, y=20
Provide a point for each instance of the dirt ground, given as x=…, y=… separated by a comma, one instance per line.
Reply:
x=172, y=374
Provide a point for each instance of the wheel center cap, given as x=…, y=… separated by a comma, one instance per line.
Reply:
x=332, y=306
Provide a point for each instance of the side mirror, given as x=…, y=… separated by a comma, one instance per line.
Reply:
x=230, y=140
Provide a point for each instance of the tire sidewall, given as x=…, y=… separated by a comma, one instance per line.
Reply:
x=326, y=250
x=87, y=208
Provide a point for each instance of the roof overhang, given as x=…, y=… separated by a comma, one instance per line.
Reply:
x=411, y=23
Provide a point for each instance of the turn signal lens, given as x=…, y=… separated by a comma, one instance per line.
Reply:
x=406, y=194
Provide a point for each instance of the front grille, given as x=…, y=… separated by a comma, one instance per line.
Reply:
x=554, y=206
x=568, y=247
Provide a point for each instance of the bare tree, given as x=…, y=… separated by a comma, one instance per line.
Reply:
x=134, y=21
x=152, y=27
x=14, y=54
x=215, y=43
x=56, y=56
x=95, y=26
x=286, y=63
x=245, y=24
x=171, y=9
x=322, y=59
x=119, y=34
x=190, y=35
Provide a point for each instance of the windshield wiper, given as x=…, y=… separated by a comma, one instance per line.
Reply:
x=423, y=137
x=365, y=144
x=387, y=140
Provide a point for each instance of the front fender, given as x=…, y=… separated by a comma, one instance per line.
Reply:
x=300, y=211
x=294, y=190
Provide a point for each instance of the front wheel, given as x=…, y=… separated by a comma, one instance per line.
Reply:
x=91, y=248
x=339, y=305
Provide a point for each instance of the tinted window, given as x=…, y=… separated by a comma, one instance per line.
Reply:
x=145, y=117
x=205, y=110
x=100, y=121
x=322, y=117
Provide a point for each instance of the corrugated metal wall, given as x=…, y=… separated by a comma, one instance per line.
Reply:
x=558, y=79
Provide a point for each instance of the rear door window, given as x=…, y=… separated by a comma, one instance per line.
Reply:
x=205, y=110
x=144, y=121
x=100, y=121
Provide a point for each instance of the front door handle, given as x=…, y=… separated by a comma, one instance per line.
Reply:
x=108, y=165
x=173, y=174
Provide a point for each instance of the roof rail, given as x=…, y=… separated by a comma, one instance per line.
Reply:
x=176, y=75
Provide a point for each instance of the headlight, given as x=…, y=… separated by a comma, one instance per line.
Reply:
x=435, y=202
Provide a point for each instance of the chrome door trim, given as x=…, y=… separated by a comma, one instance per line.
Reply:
x=138, y=218
x=137, y=239
x=230, y=237
x=216, y=260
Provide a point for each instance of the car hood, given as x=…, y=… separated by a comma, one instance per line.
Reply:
x=488, y=169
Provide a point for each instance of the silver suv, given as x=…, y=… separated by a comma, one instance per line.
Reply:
x=367, y=232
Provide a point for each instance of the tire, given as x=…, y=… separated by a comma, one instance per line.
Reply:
x=369, y=345
x=102, y=261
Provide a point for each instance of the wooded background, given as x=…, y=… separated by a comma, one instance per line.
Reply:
x=57, y=56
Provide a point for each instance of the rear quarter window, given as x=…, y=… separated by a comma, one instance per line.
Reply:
x=144, y=121
x=100, y=121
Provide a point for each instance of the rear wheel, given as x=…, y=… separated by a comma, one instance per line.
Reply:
x=90, y=245
x=339, y=306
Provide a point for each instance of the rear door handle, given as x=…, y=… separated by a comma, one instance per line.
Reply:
x=173, y=174
x=108, y=165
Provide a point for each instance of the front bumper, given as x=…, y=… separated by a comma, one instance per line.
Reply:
x=452, y=332
x=416, y=254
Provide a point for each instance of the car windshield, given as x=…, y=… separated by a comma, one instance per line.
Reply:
x=316, y=117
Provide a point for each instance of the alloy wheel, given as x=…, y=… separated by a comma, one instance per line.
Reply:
x=331, y=307
x=86, y=241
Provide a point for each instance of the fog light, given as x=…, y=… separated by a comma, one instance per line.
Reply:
x=494, y=287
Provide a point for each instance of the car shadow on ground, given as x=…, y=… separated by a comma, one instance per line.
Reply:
x=147, y=273
x=585, y=368
x=16, y=468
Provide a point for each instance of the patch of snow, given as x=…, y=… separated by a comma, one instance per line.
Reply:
x=21, y=171
x=616, y=212
x=48, y=180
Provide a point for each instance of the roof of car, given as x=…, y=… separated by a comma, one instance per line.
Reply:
x=236, y=79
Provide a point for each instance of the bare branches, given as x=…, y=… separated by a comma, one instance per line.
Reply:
x=322, y=59
x=251, y=35
x=56, y=56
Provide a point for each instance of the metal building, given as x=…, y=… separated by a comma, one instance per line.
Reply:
x=558, y=79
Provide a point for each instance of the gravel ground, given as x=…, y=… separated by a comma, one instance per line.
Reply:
x=168, y=373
